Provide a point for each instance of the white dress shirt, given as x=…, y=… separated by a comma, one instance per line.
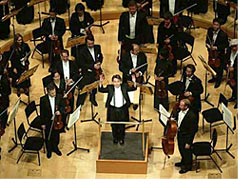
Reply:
x=66, y=71
x=232, y=58
x=92, y=52
x=215, y=34
x=52, y=104
x=132, y=21
x=53, y=23
x=171, y=6
x=188, y=80
x=118, y=99
x=181, y=116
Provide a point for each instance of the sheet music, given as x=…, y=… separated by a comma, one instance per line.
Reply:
x=164, y=114
x=73, y=117
x=227, y=116
x=13, y=111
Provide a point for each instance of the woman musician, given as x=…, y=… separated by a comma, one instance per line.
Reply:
x=4, y=25
x=19, y=57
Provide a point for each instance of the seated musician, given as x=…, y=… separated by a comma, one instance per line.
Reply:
x=51, y=104
x=187, y=128
x=131, y=61
x=90, y=66
x=19, y=57
x=117, y=105
x=167, y=37
x=58, y=82
x=53, y=29
x=80, y=21
x=232, y=69
x=163, y=69
x=192, y=89
x=68, y=70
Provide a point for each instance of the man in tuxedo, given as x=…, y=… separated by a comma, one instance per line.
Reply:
x=89, y=65
x=132, y=26
x=187, y=128
x=51, y=105
x=172, y=6
x=131, y=61
x=217, y=40
x=53, y=29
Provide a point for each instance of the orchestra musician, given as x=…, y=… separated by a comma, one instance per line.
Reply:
x=130, y=61
x=167, y=37
x=172, y=6
x=53, y=29
x=68, y=70
x=26, y=15
x=58, y=82
x=117, y=105
x=187, y=128
x=19, y=57
x=192, y=88
x=4, y=25
x=90, y=66
x=163, y=69
x=232, y=69
x=132, y=26
x=50, y=106
x=79, y=24
x=216, y=43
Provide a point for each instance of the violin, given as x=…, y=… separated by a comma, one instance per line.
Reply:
x=230, y=78
x=58, y=123
x=160, y=88
x=56, y=46
x=169, y=48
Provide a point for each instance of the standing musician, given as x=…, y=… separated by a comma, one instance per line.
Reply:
x=90, y=66
x=51, y=106
x=192, y=89
x=216, y=43
x=132, y=26
x=68, y=70
x=53, y=28
x=130, y=61
x=117, y=105
x=167, y=37
x=232, y=70
x=79, y=23
x=187, y=128
x=163, y=69
x=26, y=15
x=19, y=57
x=4, y=25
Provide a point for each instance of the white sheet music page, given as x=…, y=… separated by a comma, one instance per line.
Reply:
x=227, y=116
x=164, y=114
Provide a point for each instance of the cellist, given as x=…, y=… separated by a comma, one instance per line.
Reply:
x=187, y=128
x=216, y=43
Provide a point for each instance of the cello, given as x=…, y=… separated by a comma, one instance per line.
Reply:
x=213, y=56
x=160, y=88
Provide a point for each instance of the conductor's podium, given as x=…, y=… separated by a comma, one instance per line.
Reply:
x=130, y=158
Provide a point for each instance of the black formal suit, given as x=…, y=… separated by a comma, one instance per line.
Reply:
x=222, y=43
x=46, y=119
x=86, y=64
x=126, y=65
x=117, y=114
x=5, y=91
x=140, y=28
x=186, y=133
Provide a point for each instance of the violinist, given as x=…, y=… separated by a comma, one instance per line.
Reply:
x=5, y=25
x=79, y=24
x=192, y=88
x=232, y=69
x=51, y=106
x=167, y=37
x=216, y=43
x=130, y=61
x=187, y=128
x=68, y=70
x=19, y=57
x=53, y=29
x=90, y=66
x=162, y=71
x=58, y=82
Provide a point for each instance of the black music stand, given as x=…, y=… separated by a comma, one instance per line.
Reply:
x=2, y=113
x=12, y=116
x=207, y=69
x=75, y=116
x=100, y=19
x=139, y=119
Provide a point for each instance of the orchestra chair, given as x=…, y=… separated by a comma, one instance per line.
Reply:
x=39, y=43
x=214, y=115
x=204, y=149
x=29, y=144
x=46, y=80
x=185, y=47
x=187, y=22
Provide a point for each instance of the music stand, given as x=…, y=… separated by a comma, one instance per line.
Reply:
x=2, y=113
x=227, y=118
x=100, y=19
x=146, y=90
x=24, y=76
x=73, y=118
x=88, y=88
x=207, y=69
x=11, y=117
